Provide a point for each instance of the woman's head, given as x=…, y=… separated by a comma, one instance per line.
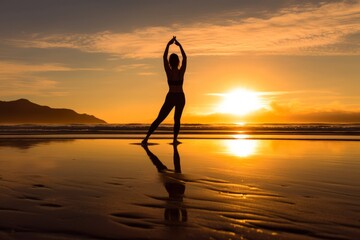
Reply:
x=174, y=61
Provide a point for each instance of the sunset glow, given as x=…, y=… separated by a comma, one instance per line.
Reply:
x=240, y=102
x=107, y=61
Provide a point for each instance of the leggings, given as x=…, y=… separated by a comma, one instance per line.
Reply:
x=176, y=100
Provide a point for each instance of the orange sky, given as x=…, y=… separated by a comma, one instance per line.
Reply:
x=105, y=57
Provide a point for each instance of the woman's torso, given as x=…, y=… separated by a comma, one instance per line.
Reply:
x=175, y=80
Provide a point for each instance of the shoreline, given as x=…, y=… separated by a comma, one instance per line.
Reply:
x=186, y=129
x=298, y=137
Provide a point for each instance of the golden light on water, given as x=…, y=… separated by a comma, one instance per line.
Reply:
x=240, y=102
x=241, y=147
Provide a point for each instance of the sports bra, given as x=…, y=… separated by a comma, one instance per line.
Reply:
x=178, y=82
x=175, y=83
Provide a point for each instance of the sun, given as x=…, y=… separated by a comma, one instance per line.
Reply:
x=240, y=102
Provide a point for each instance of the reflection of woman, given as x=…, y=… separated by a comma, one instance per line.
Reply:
x=175, y=97
x=174, y=211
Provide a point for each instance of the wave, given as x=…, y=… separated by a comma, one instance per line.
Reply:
x=187, y=129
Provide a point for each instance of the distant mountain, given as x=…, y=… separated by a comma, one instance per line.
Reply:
x=24, y=111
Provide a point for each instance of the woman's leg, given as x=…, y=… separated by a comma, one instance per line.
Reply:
x=179, y=107
x=164, y=111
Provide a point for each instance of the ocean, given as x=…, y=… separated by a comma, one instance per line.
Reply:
x=188, y=131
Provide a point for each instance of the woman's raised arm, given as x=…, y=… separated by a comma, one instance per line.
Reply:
x=183, y=54
x=166, y=52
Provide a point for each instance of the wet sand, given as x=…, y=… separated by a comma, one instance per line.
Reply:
x=203, y=189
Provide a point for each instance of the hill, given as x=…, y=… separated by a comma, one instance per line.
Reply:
x=24, y=111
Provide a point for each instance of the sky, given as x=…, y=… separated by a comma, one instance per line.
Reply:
x=104, y=58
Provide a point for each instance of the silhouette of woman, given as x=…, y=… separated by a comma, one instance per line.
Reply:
x=175, y=97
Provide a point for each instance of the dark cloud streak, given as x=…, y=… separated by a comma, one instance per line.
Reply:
x=336, y=116
x=80, y=16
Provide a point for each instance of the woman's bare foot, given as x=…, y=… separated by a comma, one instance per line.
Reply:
x=144, y=142
x=176, y=142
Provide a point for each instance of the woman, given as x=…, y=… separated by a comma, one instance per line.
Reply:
x=175, y=97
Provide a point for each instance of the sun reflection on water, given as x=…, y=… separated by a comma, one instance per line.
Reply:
x=241, y=147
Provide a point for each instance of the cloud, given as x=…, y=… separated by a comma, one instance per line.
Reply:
x=146, y=73
x=8, y=68
x=145, y=69
x=322, y=29
x=280, y=114
x=16, y=68
x=127, y=67
x=289, y=106
x=34, y=86
x=284, y=114
x=301, y=100
x=19, y=79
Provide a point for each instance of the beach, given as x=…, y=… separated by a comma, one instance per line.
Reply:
x=240, y=186
x=179, y=120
